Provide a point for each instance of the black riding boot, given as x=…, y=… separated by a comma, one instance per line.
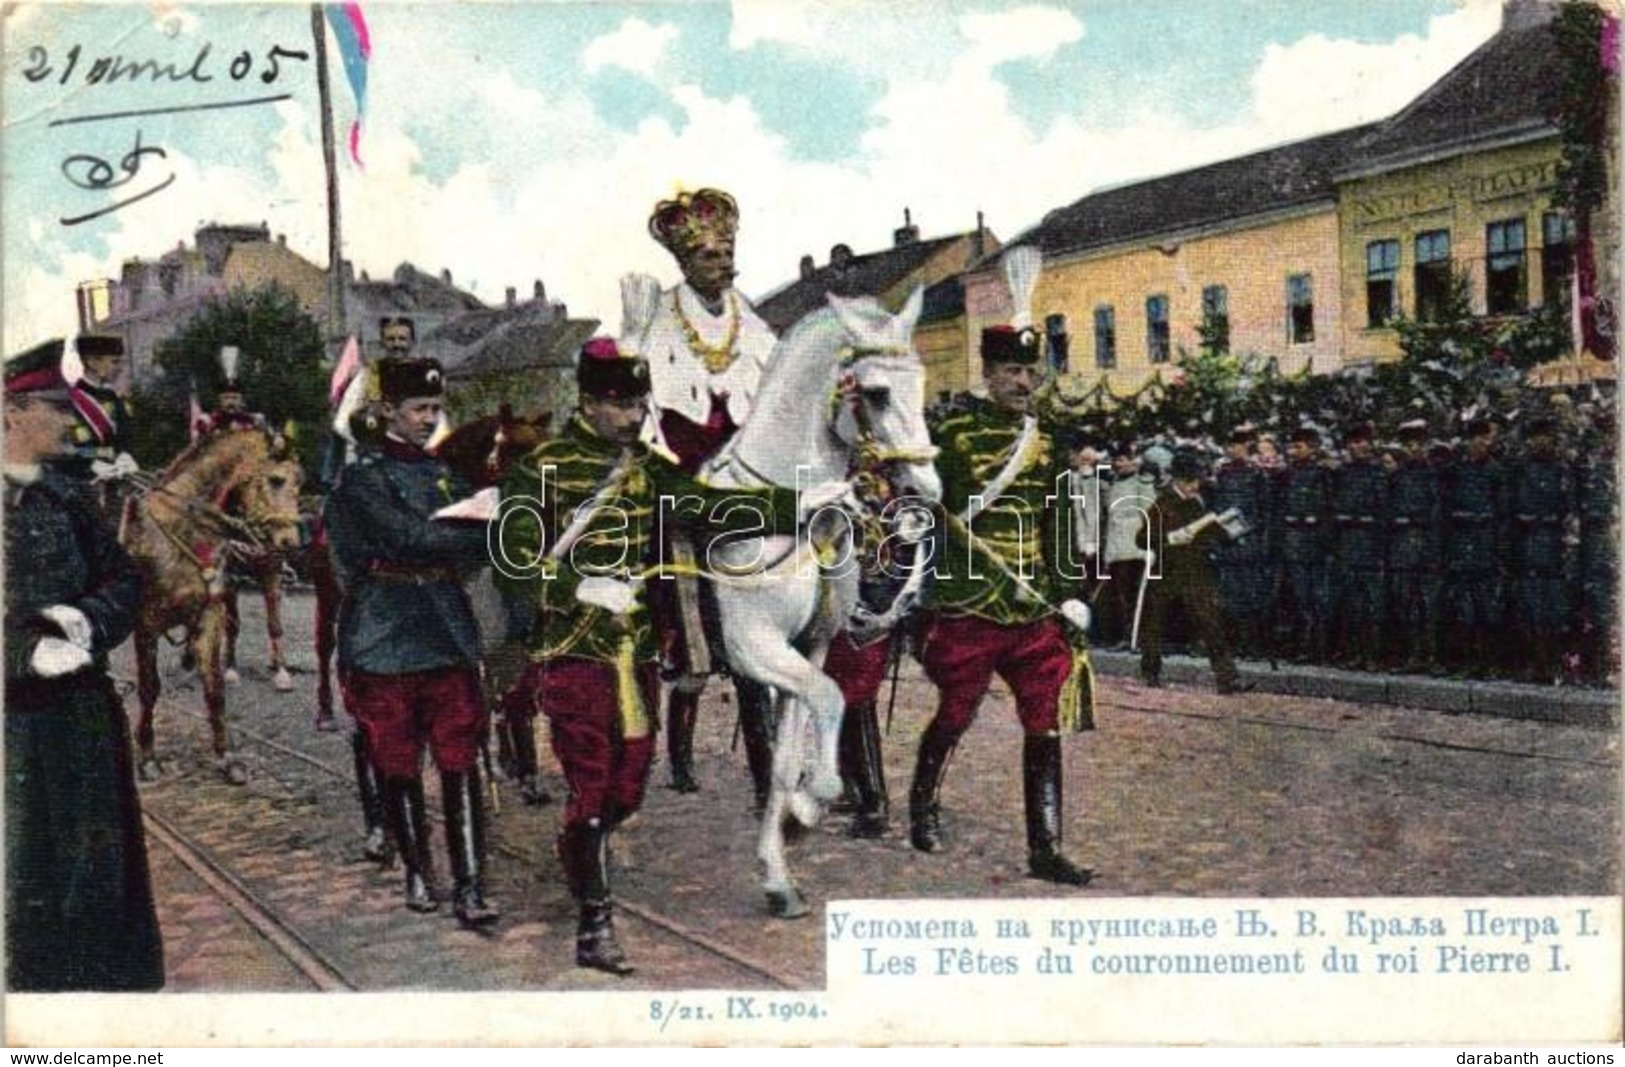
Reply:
x=1041, y=778
x=584, y=849
x=526, y=771
x=409, y=820
x=930, y=767
x=860, y=750
x=465, y=842
x=682, y=709
x=757, y=724
x=377, y=847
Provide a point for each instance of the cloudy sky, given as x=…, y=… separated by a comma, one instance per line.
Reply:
x=514, y=141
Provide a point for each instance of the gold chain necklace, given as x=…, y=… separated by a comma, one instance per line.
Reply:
x=717, y=358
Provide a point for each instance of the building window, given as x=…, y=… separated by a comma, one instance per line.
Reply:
x=1381, y=274
x=1506, y=289
x=1215, y=327
x=1156, y=328
x=1105, y=337
x=1300, y=309
x=1432, y=275
x=1059, y=343
x=1557, y=257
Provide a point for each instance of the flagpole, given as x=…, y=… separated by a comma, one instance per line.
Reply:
x=335, y=247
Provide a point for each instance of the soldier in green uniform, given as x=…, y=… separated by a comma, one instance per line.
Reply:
x=991, y=607
x=576, y=536
x=79, y=908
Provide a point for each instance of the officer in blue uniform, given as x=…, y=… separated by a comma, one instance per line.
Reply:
x=408, y=642
x=1359, y=504
x=1243, y=566
x=1541, y=501
x=1475, y=511
x=1413, y=551
x=1303, y=509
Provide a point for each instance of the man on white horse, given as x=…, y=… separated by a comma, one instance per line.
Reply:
x=991, y=606
x=706, y=349
x=576, y=531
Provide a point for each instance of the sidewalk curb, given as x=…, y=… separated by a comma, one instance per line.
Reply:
x=1569, y=705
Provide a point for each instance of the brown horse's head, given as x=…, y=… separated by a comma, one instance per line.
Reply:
x=258, y=479
x=481, y=451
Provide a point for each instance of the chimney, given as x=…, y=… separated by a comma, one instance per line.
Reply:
x=513, y=296
x=907, y=234
x=445, y=275
x=538, y=293
x=840, y=256
x=978, y=247
x=348, y=270
x=807, y=268
x=365, y=277
x=282, y=239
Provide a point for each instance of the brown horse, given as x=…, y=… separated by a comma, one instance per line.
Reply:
x=233, y=490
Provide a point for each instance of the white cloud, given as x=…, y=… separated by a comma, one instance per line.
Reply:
x=755, y=21
x=637, y=46
x=1019, y=33
x=1320, y=83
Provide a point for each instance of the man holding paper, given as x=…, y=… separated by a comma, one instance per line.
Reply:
x=1178, y=533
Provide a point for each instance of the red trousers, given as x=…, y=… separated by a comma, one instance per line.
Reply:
x=858, y=669
x=401, y=713
x=962, y=653
x=606, y=772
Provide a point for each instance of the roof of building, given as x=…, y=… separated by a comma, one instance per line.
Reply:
x=869, y=274
x=497, y=341
x=1508, y=87
x=411, y=289
x=1286, y=176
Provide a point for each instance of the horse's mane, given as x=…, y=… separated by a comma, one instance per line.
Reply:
x=208, y=445
x=789, y=423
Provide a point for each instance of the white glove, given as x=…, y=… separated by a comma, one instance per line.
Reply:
x=102, y=471
x=1076, y=612
x=821, y=496
x=125, y=465
x=54, y=657
x=74, y=624
x=615, y=597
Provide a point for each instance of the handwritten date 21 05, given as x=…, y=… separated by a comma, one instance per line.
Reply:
x=113, y=69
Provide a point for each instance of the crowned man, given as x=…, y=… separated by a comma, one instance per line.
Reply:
x=994, y=607
x=706, y=349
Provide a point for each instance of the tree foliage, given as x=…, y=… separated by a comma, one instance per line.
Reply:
x=282, y=371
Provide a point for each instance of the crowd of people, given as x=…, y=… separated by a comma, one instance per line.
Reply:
x=1484, y=549
x=1466, y=549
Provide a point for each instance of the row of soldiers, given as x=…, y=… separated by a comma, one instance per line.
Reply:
x=1479, y=558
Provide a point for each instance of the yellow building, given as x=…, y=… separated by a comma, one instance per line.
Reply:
x=1459, y=184
x=1241, y=255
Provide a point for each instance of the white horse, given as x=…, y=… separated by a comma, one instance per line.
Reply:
x=844, y=379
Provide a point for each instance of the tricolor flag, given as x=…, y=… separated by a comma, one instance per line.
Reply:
x=349, y=363
x=355, y=46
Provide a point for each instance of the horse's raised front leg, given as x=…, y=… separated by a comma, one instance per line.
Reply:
x=806, y=691
x=208, y=646
x=146, y=687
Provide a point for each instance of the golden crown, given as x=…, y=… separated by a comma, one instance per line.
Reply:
x=685, y=221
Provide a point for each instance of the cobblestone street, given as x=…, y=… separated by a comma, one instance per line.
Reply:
x=1178, y=793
